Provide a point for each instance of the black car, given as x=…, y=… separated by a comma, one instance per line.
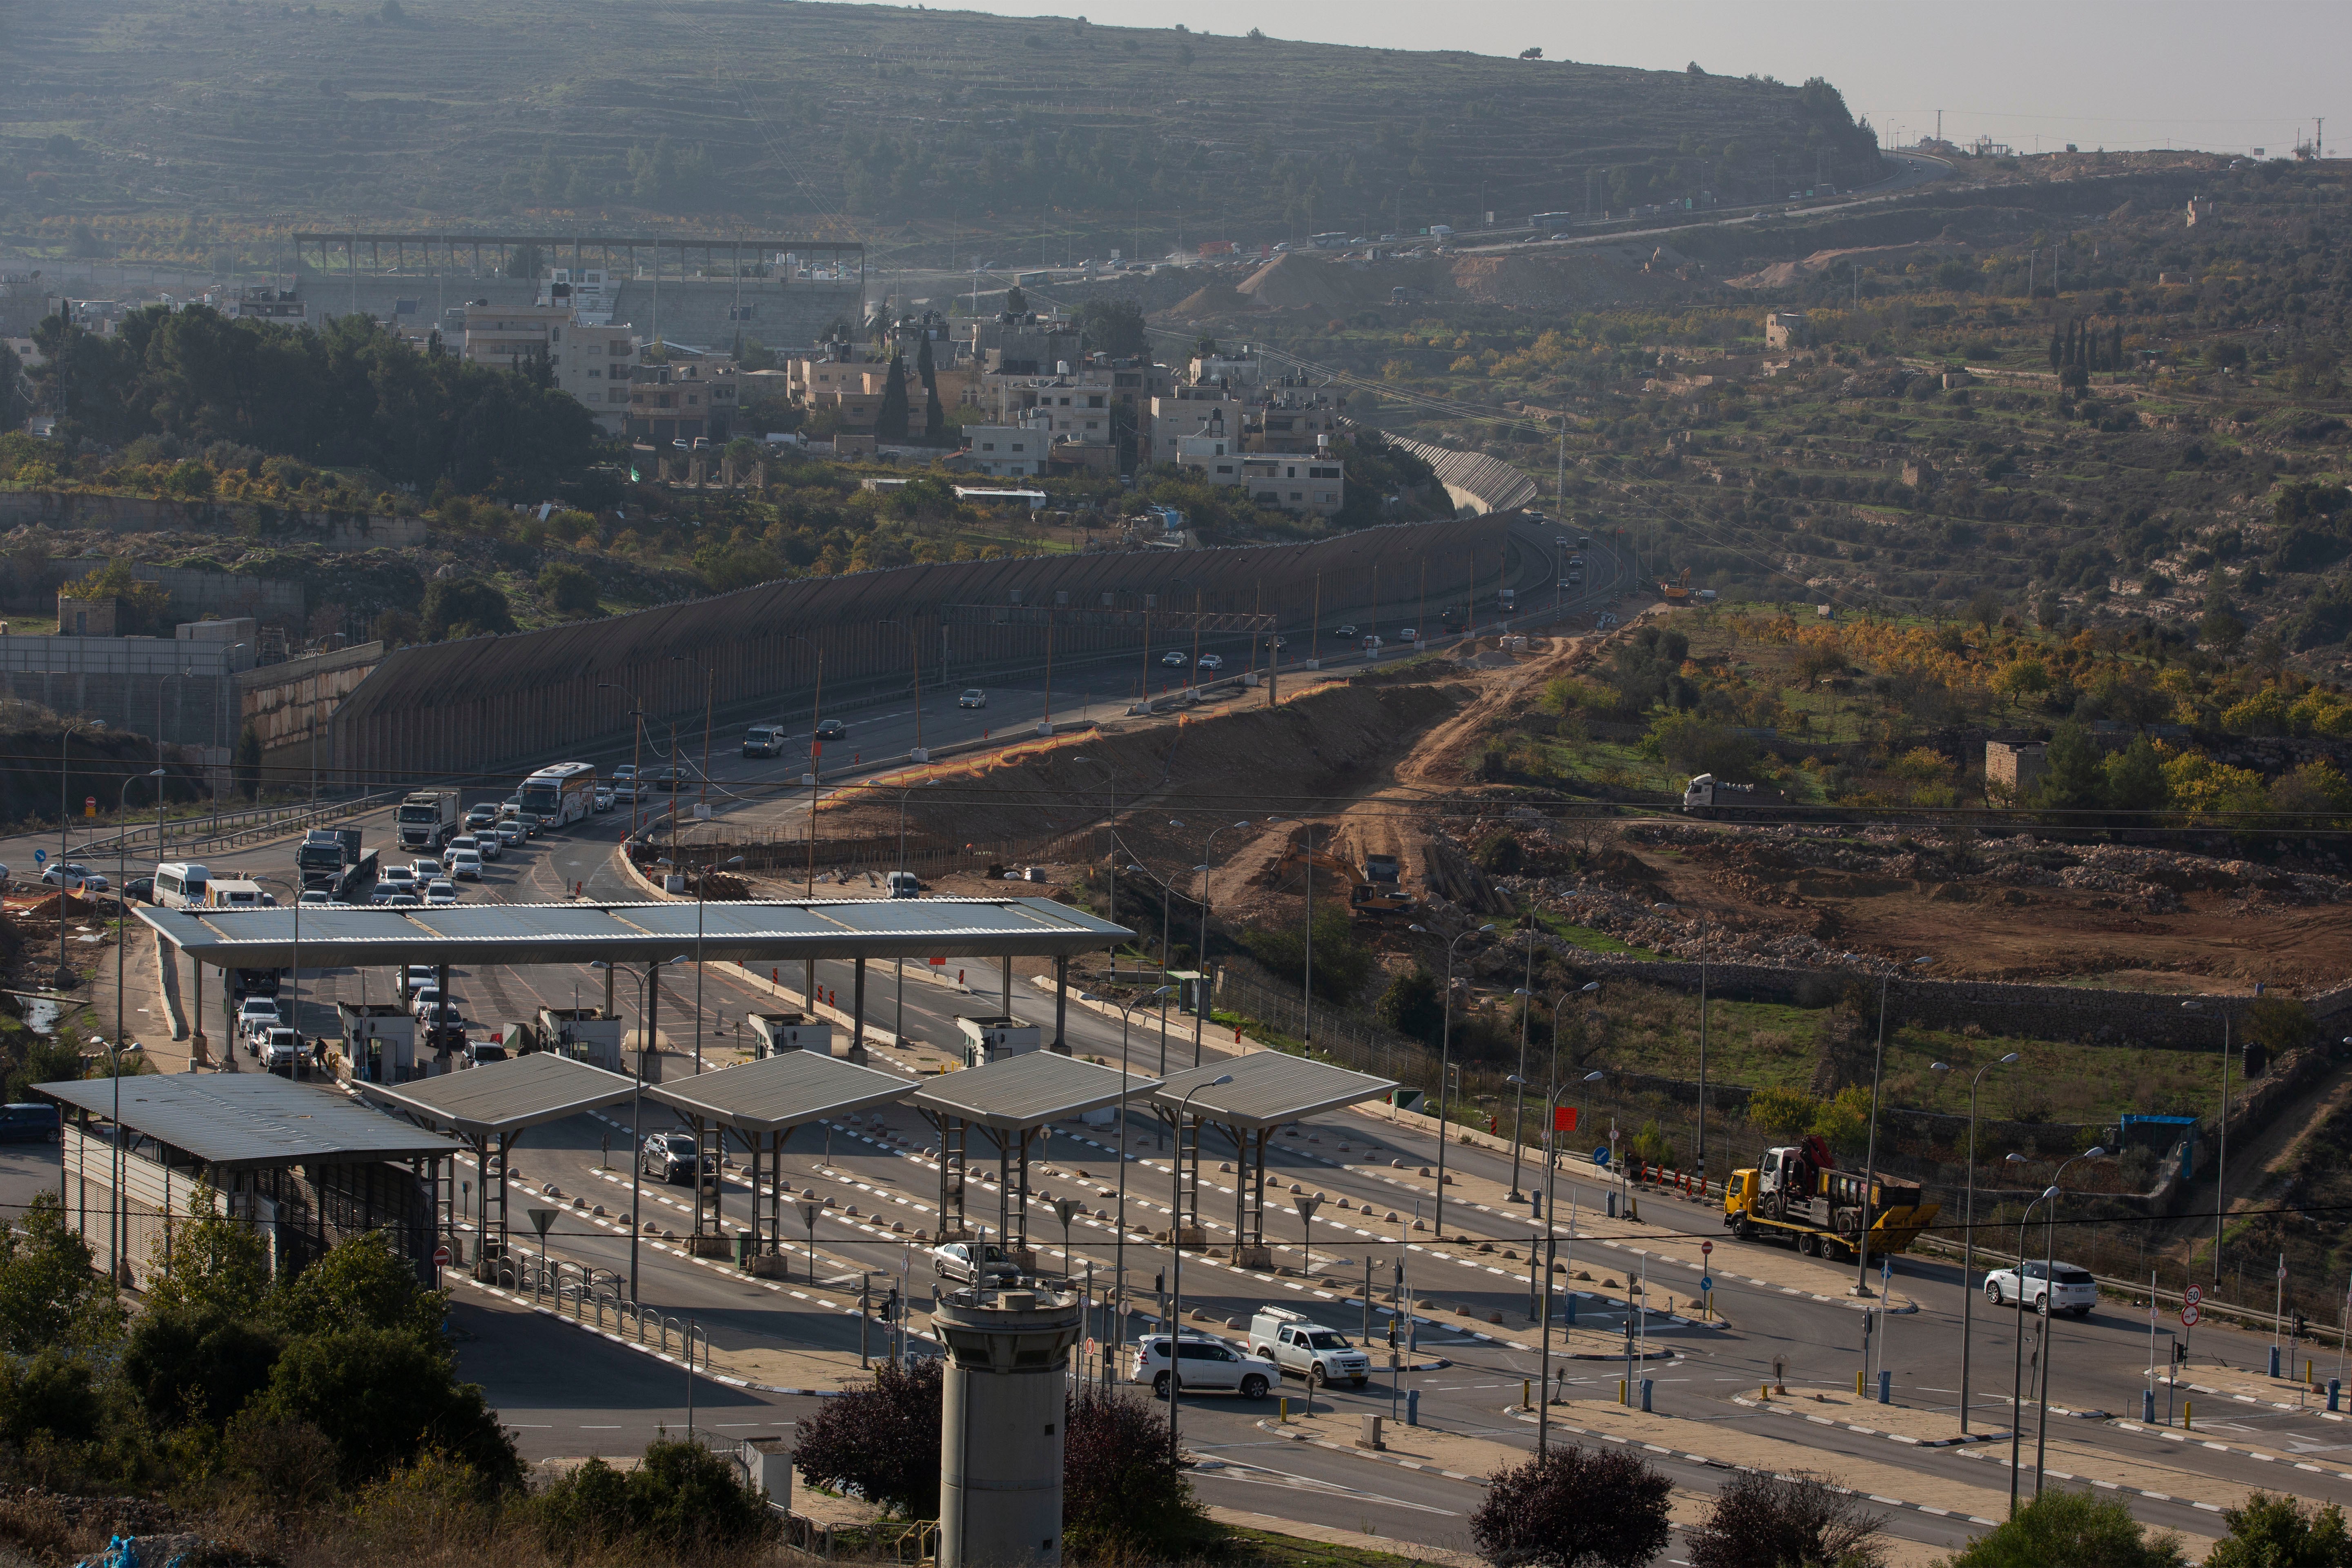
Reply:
x=666, y=778
x=142, y=889
x=669, y=1157
x=832, y=730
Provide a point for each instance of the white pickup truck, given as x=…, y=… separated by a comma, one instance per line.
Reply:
x=1294, y=1343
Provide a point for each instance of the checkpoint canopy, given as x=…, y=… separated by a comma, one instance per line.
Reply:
x=1270, y=1088
x=278, y=1152
x=1011, y=1101
x=761, y=1102
x=746, y=931
x=490, y=1108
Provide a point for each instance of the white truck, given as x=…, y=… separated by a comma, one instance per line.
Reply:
x=427, y=818
x=1294, y=1342
x=764, y=741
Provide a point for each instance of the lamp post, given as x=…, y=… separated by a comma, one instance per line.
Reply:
x=1111, y=821
x=2017, y=1352
x=899, y=1022
x=636, y=750
x=1118, y=1250
x=637, y=1103
x=294, y=1003
x=121, y=865
x=1526, y=993
x=2221, y=1132
x=117, y=1220
x=1201, y=955
x=701, y=901
x=816, y=755
x=1969, y=1244
x=66, y=733
x=709, y=694
x=2049, y=1314
x=1176, y=1251
x=1444, y=1056
x=1551, y=1242
x=1870, y=1163
x=1164, y=890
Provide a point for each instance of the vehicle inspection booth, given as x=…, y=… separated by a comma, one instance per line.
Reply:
x=303, y=1165
x=1010, y=1103
x=1270, y=1089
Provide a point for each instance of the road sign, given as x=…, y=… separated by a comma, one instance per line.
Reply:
x=1886, y=1270
x=1563, y=1118
x=1705, y=1248
x=440, y=1258
x=1706, y=1281
x=40, y=855
x=90, y=805
x=1600, y=1154
x=2188, y=1316
x=2194, y=1296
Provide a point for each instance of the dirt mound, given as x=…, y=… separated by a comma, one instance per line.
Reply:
x=1781, y=274
x=1561, y=279
x=1300, y=279
x=1219, y=298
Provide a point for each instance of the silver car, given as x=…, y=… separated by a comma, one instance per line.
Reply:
x=2063, y=1288
x=966, y=1261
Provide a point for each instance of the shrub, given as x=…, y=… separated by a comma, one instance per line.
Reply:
x=49, y=1396
x=1411, y=1006
x=196, y=1365
x=1762, y=1521
x=361, y=1283
x=48, y=1289
x=880, y=1443
x=464, y=607
x=1123, y=1495
x=1574, y=1508
x=1500, y=852
x=2276, y=1532
x=680, y=1498
x=383, y=1398
x=569, y=590
x=1785, y=1113
x=2075, y=1529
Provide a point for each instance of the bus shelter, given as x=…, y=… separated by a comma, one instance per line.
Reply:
x=761, y=1102
x=1270, y=1089
x=1009, y=1103
x=490, y=1109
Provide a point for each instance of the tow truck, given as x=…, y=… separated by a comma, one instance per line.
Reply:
x=1798, y=1195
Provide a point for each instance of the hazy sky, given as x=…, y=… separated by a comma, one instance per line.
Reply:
x=2229, y=75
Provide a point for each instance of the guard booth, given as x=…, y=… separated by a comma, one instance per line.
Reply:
x=583, y=1034
x=379, y=1042
x=772, y=1034
x=994, y=1038
x=1192, y=991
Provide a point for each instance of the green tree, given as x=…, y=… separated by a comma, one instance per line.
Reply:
x=246, y=770
x=464, y=607
x=2268, y=1531
x=383, y=1398
x=198, y=1363
x=1124, y=1497
x=15, y=406
x=1341, y=965
x=1574, y=1508
x=890, y=420
x=49, y=1394
x=2076, y=1528
x=361, y=1282
x=2075, y=778
x=1783, y=1113
x=1411, y=1006
x=2221, y=631
x=2135, y=777
x=1016, y=303
x=524, y=261
x=210, y=1259
x=568, y=589
x=142, y=609
x=51, y=1290
x=1114, y=327
x=681, y=1499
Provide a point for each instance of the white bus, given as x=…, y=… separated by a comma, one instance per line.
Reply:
x=182, y=885
x=560, y=794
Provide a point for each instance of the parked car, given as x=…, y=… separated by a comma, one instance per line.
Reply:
x=75, y=873
x=27, y=1122
x=1212, y=661
x=974, y=696
x=479, y=1053
x=1295, y=1343
x=2044, y=1287
x=1173, y=659
x=973, y=1262
x=1205, y=1367
x=440, y=891
x=669, y=1157
x=140, y=888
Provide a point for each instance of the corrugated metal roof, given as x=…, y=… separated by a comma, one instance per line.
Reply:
x=1269, y=1087
x=767, y=932
x=245, y=1121
x=505, y=1097
x=782, y=1091
x=1027, y=1091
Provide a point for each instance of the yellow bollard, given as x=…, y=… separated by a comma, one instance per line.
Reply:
x=1763, y=1391
x=1857, y=1384
x=1621, y=1391
x=1285, y=1412
x=2188, y=1415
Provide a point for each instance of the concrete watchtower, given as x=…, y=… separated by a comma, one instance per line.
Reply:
x=1001, y=1426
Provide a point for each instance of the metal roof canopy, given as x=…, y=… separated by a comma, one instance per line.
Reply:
x=768, y=932
x=1023, y=1093
x=243, y=1122
x=1010, y=1100
x=505, y=1098
x=761, y=1102
x=1269, y=1088
x=781, y=1092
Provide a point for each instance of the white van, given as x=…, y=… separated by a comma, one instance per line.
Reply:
x=233, y=894
x=181, y=885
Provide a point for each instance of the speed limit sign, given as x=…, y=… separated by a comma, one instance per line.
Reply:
x=2188, y=1316
x=2193, y=1296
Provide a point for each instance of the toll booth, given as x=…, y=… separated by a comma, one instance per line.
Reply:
x=583, y=1034
x=379, y=1042
x=772, y=1034
x=994, y=1038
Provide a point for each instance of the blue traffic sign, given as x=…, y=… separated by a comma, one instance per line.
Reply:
x=40, y=857
x=1706, y=1281
x=1600, y=1153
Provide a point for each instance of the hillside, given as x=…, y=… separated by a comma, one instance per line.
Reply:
x=880, y=122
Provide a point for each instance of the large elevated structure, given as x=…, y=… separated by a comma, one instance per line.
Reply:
x=1010, y=1103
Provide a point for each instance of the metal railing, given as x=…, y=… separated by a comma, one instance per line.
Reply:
x=231, y=829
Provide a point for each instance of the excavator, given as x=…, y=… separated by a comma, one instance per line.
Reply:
x=1676, y=593
x=1367, y=899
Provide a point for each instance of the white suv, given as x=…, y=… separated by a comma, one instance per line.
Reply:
x=1319, y=1354
x=2067, y=1288
x=1210, y=1366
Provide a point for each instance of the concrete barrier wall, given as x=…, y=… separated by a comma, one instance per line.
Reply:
x=462, y=707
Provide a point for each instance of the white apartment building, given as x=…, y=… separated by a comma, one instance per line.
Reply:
x=1009, y=451
x=589, y=362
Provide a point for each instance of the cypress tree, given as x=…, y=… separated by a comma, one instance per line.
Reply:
x=2057, y=350
x=2116, y=347
x=890, y=422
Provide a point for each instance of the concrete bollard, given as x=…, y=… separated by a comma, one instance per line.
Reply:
x=2334, y=1393
x=1885, y=1387
x=2148, y=1405
x=1372, y=1438
x=1412, y=1408
x=1647, y=1384
x=2274, y=1361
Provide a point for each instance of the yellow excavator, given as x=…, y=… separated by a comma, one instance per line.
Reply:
x=1367, y=899
x=1676, y=593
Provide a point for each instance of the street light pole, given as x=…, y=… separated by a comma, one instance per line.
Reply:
x=1119, y=1248
x=1870, y=1164
x=1968, y=1242
x=2221, y=1155
x=1444, y=1056
x=637, y=1104
x=1176, y=1252
x=2017, y=1351
x=1201, y=955
x=2049, y=1311
x=121, y=896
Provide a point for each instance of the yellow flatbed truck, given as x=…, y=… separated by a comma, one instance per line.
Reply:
x=1800, y=1197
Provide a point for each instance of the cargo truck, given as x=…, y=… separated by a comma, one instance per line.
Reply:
x=1800, y=1197
x=427, y=819
x=1707, y=795
x=329, y=860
